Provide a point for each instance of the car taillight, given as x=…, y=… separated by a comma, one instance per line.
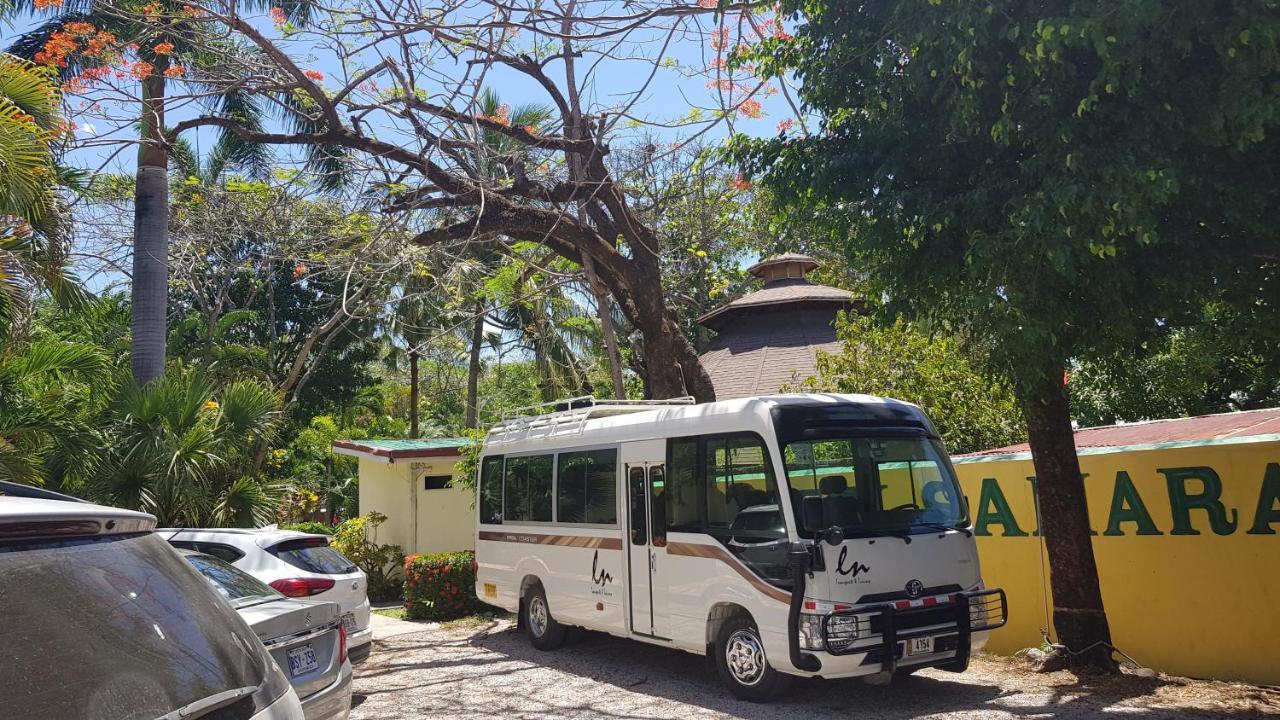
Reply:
x=342, y=643
x=302, y=587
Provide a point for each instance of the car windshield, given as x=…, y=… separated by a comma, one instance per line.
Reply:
x=238, y=587
x=874, y=486
x=117, y=627
x=313, y=555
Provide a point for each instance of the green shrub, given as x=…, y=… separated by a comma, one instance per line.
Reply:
x=440, y=586
x=357, y=538
x=308, y=526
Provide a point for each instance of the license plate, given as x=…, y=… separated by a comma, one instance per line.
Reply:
x=302, y=659
x=920, y=646
x=349, y=622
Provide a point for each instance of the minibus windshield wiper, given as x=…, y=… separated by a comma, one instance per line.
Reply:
x=942, y=526
x=902, y=534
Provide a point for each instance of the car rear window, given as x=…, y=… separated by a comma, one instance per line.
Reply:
x=313, y=555
x=118, y=627
x=239, y=587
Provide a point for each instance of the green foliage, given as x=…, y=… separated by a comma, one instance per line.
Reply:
x=972, y=410
x=185, y=450
x=1054, y=179
x=464, y=472
x=440, y=586
x=309, y=526
x=1227, y=361
x=357, y=539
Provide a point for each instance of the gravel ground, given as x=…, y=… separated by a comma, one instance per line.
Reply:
x=487, y=669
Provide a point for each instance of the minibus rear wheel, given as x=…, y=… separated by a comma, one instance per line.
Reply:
x=742, y=665
x=544, y=632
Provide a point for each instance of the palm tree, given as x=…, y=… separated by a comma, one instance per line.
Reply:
x=184, y=451
x=30, y=212
x=42, y=436
x=167, y=40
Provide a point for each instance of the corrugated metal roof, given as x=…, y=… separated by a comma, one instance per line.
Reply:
x=396, y=449
x=1222, y=426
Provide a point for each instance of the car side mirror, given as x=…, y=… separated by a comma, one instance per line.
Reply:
x=811, y=514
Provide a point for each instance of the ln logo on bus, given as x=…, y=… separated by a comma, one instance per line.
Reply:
x=850, y=572
x=600, y=577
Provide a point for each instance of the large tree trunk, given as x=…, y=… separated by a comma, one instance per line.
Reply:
x=672, y=366
x=150, y=289
x=473, y=368
x=606, y=327
x=1078, y=615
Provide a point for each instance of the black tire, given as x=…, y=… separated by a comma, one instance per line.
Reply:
x=543, y=630
x=742, y=665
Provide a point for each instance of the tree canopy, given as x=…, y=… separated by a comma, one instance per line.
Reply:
x=1051, y=180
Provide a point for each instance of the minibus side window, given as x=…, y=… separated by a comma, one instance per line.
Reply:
x=587, y=487
x=635, y=485
x=683, y=489
x=527, y=489
x=491, y=490
x=742, y=494
x=658, y=490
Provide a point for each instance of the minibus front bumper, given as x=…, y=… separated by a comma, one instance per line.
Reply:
x=877, y=630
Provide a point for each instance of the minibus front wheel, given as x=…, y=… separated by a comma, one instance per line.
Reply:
x=543, y=630
x=742, y=665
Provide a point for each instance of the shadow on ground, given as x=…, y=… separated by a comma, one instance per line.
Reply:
x=493, y=671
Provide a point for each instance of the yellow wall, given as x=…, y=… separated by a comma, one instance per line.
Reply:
x=1201, y=600
x=444, y=518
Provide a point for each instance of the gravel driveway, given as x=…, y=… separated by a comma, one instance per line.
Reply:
x=475, y=670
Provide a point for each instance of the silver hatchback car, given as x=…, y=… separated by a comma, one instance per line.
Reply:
x=306, y=637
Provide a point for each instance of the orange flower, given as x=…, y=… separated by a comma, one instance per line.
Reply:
x=79, y=28
x=192, y=12
x=175, y=71
x=314, y=75
x=299, y=270
x=277, y=17
x=532, y=130
x=740, y=183
x=786, y=125
x=46, y=4
x=142, y=69
x=750, y=108
x=163, y=48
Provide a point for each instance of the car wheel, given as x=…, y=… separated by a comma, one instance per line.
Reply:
x=543, y=630
x=742, y=665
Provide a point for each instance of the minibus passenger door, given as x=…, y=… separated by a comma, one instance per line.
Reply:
x=659, y=579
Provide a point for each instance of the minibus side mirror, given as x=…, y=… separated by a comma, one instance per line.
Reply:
x=811, y=513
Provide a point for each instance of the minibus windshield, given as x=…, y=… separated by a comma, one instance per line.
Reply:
x=876, y=486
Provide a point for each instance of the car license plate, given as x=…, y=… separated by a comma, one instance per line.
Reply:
x=349, y=622
x=302, y=659
x=920, y=646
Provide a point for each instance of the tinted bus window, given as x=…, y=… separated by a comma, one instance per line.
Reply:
x=587, y=483
x=527, y=490
x=491, y=490
x=683, y=488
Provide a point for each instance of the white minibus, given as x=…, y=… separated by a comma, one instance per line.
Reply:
x=788, y=535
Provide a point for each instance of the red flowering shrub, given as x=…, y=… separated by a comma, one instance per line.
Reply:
x=440, y=586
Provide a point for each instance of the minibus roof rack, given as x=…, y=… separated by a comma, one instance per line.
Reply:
x=571, y=414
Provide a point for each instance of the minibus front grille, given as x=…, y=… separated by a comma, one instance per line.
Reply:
x=902, y=594
x=880, y=630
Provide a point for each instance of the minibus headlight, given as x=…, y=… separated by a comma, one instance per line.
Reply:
x=842, y=630
x=811, y=632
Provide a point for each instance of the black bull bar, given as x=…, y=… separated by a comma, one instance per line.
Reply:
x=885, y=625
